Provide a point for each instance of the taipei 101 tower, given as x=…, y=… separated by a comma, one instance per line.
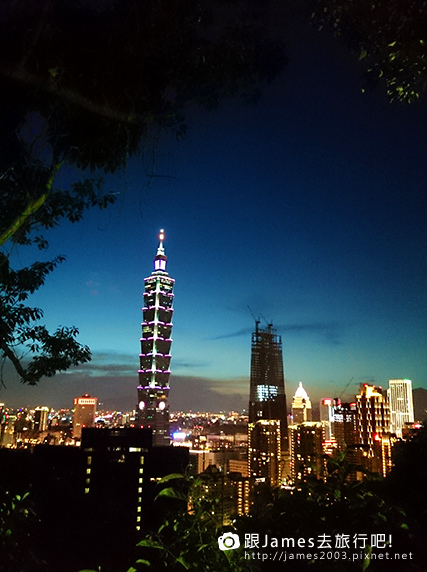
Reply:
x=155, y=357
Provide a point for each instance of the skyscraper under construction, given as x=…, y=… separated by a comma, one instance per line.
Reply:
x=268, y=439
x=154, y=371
x=267, y=399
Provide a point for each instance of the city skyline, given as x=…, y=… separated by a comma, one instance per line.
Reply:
x=306, y=210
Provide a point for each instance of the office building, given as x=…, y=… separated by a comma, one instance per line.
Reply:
x=267, y=427
x=84, y=414
x=41, y=418
x=401, y=404
x=373, y=420
x=267, y=398
x=383, y=451
x=265, y=451
x=4, y=418
x=227, y=494
x=238, y=466
x=327, y=409
x=347, y=439
x=155, y=356
x=306, y=446
x=301, y=406
x=345, y=425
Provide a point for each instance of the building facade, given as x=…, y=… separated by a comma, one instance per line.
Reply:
x=41, y=418
x=345, y=425
x=306, y=445
x=84, y=414
x=401, y=404
x=155, y=356
x=327, y=410
x=267, y=398
x=301, y=406
x=373, y=420
x=267, y=427
x=265, y=451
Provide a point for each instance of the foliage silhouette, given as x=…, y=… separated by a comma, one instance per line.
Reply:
x=84, y=86
x=388, y=36
x=17, y=525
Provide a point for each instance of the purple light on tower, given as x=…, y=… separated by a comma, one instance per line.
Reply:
x=154, y=370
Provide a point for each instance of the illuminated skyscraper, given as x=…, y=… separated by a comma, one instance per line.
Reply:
x=373, y=420
x=41, y=418
x=306, y=446
x=401, y=404
x=301, y=406
x=327, y=409
x=373, y=413
x=84, y=414
x=345, y=425
x=265, y=451
x=267, y=398
x=154, y=371
x=267, y=428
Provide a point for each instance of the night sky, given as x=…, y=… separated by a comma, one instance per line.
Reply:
x=307, y=209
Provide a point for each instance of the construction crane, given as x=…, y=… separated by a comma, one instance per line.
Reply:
x=345, y=389
x=256, y=318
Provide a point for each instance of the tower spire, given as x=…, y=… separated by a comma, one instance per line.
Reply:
x=161, y=258
x=161, y=249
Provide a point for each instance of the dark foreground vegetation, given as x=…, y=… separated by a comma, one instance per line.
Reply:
x=391, y=510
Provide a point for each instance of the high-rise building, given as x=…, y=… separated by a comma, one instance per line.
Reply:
x=3, y=421
x=84, y=414
x=155, y=357
x=41, y=418
x=267, y=398
x=345, y=425
x=265, y=451
x=301, y=406
x=373, y=419
x=306, y=445
x=383, y=451
x=327, y=409
x=401, y=404
x=347, y=439
x=267, y=427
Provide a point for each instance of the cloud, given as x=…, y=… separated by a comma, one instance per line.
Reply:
x=177, y=363
x=239, y=333
x=328, y=332
x=206, y=394
x=115, y=387
x=107, y=363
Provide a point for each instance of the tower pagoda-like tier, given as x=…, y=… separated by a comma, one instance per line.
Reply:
x=155, y=356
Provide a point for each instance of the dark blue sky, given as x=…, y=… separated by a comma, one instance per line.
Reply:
x=309, y=208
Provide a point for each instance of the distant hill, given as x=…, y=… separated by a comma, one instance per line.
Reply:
x=420, y=404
